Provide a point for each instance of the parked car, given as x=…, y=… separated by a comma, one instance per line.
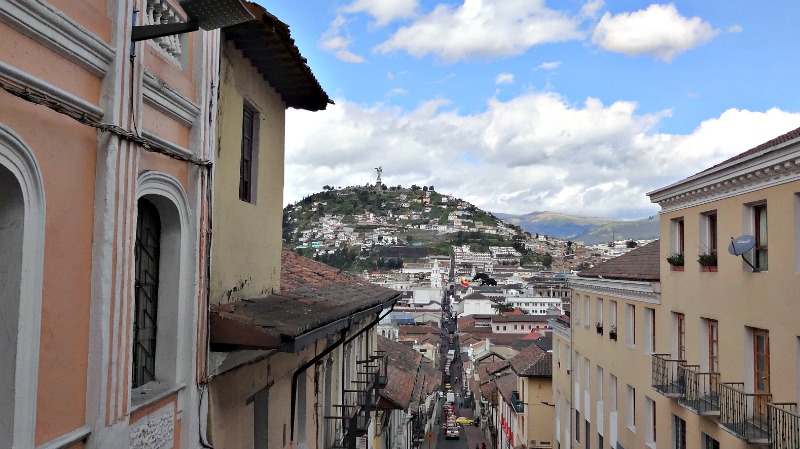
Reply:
x=452, y=432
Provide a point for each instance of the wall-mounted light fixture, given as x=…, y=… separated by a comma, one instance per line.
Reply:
x=205, y=14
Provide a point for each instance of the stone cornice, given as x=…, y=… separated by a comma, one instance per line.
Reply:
x=778, y=165
x=647, y=292
x=54, y=30
x=160, y=96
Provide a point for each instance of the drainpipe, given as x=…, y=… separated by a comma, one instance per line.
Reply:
x=341, y=341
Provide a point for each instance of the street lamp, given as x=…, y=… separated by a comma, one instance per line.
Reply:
x=205, y=14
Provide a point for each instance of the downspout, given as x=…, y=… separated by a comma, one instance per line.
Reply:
x=341, y=341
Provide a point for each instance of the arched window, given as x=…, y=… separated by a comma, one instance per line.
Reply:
x=12, y=215
x=163, y=313
x=147, y=256
x=22, y=218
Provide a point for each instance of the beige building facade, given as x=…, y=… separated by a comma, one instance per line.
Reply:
x=705, y=342
x=601, y=355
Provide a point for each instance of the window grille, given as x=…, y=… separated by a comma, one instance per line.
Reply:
x=147, y=254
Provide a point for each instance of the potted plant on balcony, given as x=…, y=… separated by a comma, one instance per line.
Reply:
x=599, y=327
x=612, y=333
x=708, y=261
x=675, y=260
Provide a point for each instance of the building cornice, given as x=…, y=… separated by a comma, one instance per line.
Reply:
x=647, y=292
x=54, y=30
x=769, y=168
x=163, y=98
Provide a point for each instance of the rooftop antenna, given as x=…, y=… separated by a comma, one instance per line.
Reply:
x=741, y=245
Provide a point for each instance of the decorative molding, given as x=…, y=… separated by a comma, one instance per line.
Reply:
x=24, y=79
x=646, y=292
x=160, y=141
x=54, y=30
x=157, y=431
x=560, y=329
x=68, y=439
x=160, y=96
x=770, y=168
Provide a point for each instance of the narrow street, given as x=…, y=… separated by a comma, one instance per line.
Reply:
x=470, y=436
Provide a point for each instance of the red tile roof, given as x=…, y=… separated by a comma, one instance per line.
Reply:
x=641, y=264
x=402, y=366
x=532, y=362
x=313, y=295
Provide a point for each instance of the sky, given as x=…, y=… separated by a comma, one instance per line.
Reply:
x=579, y=107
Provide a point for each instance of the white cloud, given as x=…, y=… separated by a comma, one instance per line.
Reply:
x=337, y=40
x=659, y=31
x=535, y=152
x=549, y=65
x=735, y=29
x=482, y=29
x=396, y=91
x=591, y=8
x=383, y=11
x=504, y=78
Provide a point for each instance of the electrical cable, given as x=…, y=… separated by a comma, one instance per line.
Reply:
x=36, y=96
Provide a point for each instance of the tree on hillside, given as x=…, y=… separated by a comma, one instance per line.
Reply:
x=546, y=260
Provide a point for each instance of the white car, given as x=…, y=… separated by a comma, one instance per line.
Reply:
x=452, y=432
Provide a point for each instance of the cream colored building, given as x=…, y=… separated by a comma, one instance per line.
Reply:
x=705, y=354
x=730, y=337
x=601, y=354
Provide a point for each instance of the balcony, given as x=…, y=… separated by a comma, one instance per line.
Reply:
x=351, y=419
x=785, y=425
x=666, y=379
x=700, y=390
x=516, y=402
x=746, y=415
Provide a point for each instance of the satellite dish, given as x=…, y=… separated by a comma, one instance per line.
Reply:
x=741, y=245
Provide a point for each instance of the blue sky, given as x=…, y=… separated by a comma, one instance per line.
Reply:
x=528, y=105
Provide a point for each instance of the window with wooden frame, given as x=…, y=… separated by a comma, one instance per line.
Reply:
x=678, y=433
x=247, y=162
x=760, y=232
x=680, y=331
x=761, y=372
x=711, y=229
x=631, y=324
x=678, y=235
x=713, y=346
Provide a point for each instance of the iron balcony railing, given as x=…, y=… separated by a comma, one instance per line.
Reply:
x=516, y=402
x=350, y=420
x=744, y=414
x=666, y=378
x=700, y=390
x=784, y=425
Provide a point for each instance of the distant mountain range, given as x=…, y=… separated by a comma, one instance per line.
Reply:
x=586, y=230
